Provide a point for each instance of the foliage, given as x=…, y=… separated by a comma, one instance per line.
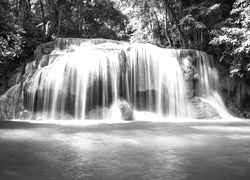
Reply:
x=198, y=20
x=233, y=37
x=10, y=46
x=147, y=21
x=98, y=19
x=174, y=23
x=11, y=42
x=82, y=19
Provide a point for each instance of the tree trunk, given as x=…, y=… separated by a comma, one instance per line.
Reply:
x=201, y=41
x=21, y=13
x=166, y=29
x=17, y=4
x=42, y=10
x=29, y=6
x=184, y=44
x=80, y=19
x=159, y=26
x=55, y=22
x=51, y=4
x=59, y=21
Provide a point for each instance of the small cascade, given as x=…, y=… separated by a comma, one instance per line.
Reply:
x=156, y=83
x=105, y=79
x=209, y=83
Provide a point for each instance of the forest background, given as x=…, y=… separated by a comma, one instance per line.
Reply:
x=218, y=27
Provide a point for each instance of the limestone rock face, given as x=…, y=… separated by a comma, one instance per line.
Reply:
x=15, y=77
x=188, y=63
x=42, y=50
x=188, y=74
x=236, y=94
x=11, y=102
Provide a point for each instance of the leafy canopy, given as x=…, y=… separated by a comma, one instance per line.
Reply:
x=234, y=38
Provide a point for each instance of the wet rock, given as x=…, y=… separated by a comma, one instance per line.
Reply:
x=11, y=102
x=24, y=114
x=126, y=110
x=236, y=94
x=98, y=113
x=43, y=49
x=2, y=116
x=120, y=109
x=203, y=110
x=15, y=77
x=188, y=70
x=44, y=61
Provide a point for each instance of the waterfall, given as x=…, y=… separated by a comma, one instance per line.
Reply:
x=75, y=82
x=82, y=79
x=209, y=83
x=156, y=81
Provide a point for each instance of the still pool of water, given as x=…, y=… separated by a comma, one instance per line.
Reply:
x=182, y=149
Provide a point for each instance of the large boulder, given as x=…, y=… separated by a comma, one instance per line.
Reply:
x=203, y=110
x=11, y=102
x=120, y=109
x=126, y=109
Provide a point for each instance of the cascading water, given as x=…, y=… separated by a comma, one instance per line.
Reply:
x=157, y=84
x=209, y=83
x=74, y=82
x=80, y=78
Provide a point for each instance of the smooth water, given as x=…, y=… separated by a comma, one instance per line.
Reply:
x=191, y=149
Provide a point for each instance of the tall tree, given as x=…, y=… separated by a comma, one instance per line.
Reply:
x=233, y=38
x=22, y=12
x=170, y=9
x=43, y=16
